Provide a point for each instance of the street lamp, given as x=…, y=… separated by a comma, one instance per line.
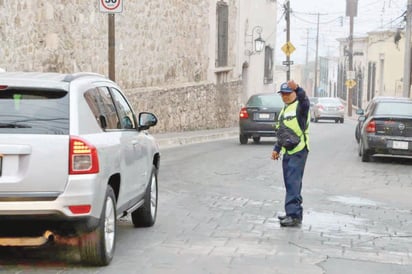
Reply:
x=258, y=43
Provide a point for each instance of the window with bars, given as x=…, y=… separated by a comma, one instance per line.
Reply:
x=222, y=13
x=268, y=65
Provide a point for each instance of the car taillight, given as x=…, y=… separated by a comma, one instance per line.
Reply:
x=83, y=157
x=341, y=107
x=320, y=106
x=371, y=127
x=243, y=114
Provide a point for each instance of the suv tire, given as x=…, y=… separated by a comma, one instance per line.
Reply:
x=97, y=247
x=145, y=215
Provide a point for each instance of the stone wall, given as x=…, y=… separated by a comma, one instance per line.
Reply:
x=161, y=53
x=192, y=107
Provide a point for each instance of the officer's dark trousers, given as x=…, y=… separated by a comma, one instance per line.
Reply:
x=293, y=168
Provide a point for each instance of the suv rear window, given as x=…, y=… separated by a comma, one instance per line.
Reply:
x=34, y=111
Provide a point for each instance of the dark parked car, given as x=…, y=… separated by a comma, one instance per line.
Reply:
x=258, y=117
x=385, y=128
x=328, y=108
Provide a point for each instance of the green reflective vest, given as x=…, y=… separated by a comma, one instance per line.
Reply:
x=288, y=114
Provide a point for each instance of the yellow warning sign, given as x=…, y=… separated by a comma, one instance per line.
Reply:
x=350, y=83
x=288, y=48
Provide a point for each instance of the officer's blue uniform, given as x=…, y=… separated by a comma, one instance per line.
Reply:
x=295, y=116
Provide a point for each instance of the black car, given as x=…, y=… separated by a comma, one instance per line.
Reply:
x=385, y=128
x=258, y=117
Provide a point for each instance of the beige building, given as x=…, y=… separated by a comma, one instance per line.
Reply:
x=378, y=59
x=192, y=63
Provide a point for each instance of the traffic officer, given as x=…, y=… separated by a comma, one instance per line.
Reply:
x=294, y=115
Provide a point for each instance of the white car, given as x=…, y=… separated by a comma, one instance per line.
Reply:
x=74, y=157
x=328, y=108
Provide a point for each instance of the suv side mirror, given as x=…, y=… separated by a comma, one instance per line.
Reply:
x=146, y=120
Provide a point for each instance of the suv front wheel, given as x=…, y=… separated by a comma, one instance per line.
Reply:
x=145, y=216
x=97, y=247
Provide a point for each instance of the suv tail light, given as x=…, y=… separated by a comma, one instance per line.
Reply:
x=371, y=127
x=243, y=113
x=83, y=157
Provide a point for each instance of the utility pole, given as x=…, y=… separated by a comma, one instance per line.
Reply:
x=351, y=11
x=287, y=15
x=307, y=47
x=407, y=57
x=315, y=91
x=112, y=47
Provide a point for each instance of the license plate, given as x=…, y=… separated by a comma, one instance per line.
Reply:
x=264, y=116
x=400, y=145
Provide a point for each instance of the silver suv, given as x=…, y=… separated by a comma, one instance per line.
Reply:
x=74, y=158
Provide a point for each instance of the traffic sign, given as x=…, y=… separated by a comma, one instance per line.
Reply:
x=288, y=48
x=350, y=74
x=111, y=6
x=286, y=63
x=350, y=83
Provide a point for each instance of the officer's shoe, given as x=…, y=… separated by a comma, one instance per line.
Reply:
x=282, y=217
x=290, y=222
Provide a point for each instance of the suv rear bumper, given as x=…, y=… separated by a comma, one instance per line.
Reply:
x=41, y=211
x=29, y=225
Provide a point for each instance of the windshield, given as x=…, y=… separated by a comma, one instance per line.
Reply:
x=34, y=111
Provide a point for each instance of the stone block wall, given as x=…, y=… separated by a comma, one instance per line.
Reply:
x=190, y=107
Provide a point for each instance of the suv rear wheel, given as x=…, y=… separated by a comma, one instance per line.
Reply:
x=97, y=247
x=145, y=216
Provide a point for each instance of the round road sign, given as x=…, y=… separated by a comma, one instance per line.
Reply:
x=111, y=6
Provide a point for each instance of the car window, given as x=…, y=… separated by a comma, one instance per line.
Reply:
x=101, y=103
x=394, y=108
x=124, y=111
x=267, y=100
x=34, y=111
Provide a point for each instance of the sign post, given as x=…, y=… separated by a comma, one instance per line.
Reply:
x=111, y=7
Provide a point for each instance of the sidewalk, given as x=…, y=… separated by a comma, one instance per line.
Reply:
x=173, y=139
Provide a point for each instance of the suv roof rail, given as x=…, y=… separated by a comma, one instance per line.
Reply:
x=74, y=76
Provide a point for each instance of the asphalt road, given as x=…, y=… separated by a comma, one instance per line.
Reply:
x=218, y=204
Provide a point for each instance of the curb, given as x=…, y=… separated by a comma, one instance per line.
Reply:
x=168, y=140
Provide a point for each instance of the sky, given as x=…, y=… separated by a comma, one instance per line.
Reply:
x=372, y=15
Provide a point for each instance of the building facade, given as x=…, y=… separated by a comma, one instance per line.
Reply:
x=378, y=65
